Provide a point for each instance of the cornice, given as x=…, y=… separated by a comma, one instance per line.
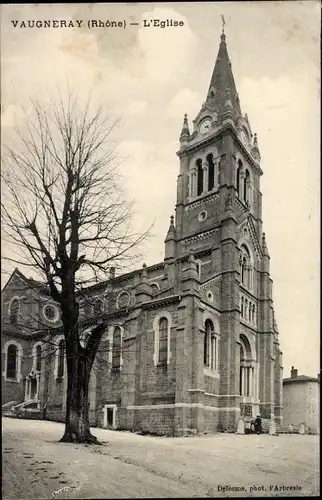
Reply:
x=95, y=321
x=244, y=209
x=190, y=148
x=215, y=280
x=156, y=304
x=24, y=334
x=200, y=236
x=203, y=253
x=218, y=134
x=300, y=380
x=247, y=154
x=247, y=326
x=201, y=202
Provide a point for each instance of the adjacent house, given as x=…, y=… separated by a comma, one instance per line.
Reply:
x=301, y=402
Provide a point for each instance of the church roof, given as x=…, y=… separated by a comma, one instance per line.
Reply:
x=43, y=288
x=120, y=278
x=222, y=85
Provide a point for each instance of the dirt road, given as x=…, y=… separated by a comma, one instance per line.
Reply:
x=36, y=466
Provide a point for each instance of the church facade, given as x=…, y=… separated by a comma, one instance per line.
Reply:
x=193, y=344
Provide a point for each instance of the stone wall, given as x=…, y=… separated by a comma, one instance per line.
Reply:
x=301, y=405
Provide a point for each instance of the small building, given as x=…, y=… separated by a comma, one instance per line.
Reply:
x=301, y=401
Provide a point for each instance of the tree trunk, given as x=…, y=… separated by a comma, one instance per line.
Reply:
x=77, y=428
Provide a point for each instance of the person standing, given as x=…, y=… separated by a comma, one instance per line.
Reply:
x=258, y=425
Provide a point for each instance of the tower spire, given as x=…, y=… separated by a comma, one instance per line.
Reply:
x=222, y=81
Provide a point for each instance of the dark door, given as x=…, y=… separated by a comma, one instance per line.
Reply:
x=110, y=417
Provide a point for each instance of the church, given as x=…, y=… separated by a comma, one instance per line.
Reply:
x=192, y=344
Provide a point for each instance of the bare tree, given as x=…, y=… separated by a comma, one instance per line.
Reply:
x=64, y=214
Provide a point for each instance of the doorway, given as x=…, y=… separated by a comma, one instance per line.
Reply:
x=109, y=416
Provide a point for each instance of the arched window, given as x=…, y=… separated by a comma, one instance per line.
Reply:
x=243, y=270
x=242, y=307
x=14, y=310
x=163, y=340
x=211, y=172
x=206, y=347
x=12, y=361
x=246, y=186
x=38, y=358
x=214, y=348
x=210, y=346
x=242, y=358
x=61, y=358
x=246, y=309
x=238, y=175
x=249, y=276
x=246, y=271
x=162, y=324
x=253, y=316
x=192, y=182
x=116, y=351
x=199, y=177
x=247, y=382
x=98, y=307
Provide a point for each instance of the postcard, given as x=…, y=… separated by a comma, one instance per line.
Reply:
x=160, y=249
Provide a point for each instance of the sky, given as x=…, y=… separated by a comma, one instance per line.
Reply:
x=149, y=77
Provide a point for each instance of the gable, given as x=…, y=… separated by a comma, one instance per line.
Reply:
x=32, y=298
x=210, y=291
x=16, y=286
x=246, y=232
x=206, y=111
x=16, y=281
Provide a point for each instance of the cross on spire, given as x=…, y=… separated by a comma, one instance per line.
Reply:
x=223, y=23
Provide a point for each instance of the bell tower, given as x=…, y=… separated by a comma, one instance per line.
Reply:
x=218, y=221
x=219, y=164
